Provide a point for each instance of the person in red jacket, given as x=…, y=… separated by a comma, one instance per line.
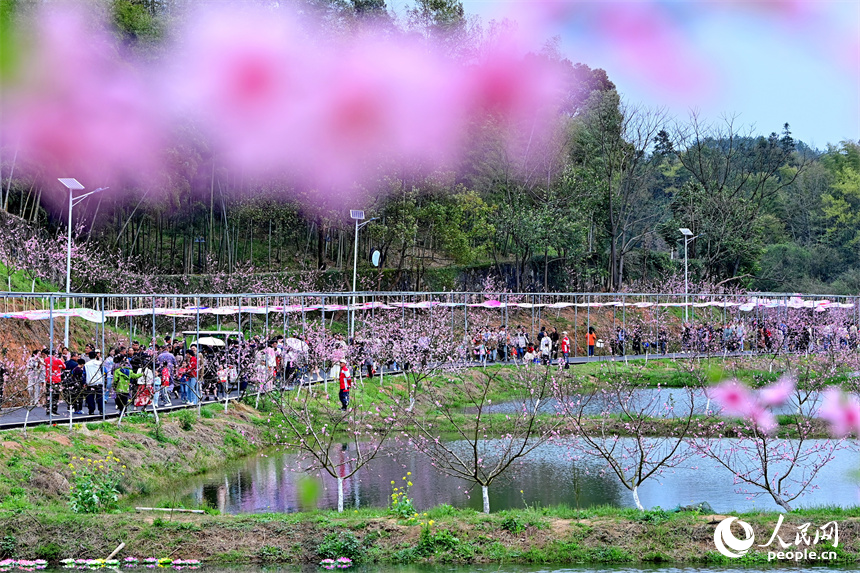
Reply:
x=345, y=383
x=565, y=347
x=53, y=370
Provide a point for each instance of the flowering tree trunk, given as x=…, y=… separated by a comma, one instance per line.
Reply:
x=781, y=462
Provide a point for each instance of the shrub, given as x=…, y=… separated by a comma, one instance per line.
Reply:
x=49, y=552
x=430, y=542
x=335, y=545
x=8, y=546
x=401, y=506
x=95, y=484
x=186, y=419
x=513, y=524
x=272, y=554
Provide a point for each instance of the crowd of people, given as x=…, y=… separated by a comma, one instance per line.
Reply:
x=502, y=345
x=133, y=376
x=165, y=372
x=491, y=345
x=138, y=376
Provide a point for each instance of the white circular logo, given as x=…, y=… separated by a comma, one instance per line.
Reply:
x=727, y=543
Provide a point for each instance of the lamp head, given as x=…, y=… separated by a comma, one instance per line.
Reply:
x=70, y=183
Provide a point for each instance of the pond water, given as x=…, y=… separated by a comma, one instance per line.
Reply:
x=655, y=400
x=268, y=482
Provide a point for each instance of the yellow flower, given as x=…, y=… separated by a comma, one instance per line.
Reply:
x=425, y=515
x=72, y=466
x=392, y=482
x=110, y=453
x=123, y=467
x=409, y=473
x=409, y=483
x=430, y=522
x=116, y=459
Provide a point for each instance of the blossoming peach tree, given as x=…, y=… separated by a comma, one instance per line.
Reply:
x=637, y=432
x=781, y=461
x=328, y=439
x=490, y=438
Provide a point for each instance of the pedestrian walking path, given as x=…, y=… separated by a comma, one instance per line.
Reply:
x=20, y=417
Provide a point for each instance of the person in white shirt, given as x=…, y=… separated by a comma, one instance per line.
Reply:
x=95, y=379
x=545, y=349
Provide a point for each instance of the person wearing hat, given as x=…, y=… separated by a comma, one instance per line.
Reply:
x=565, y=347
x=345, y=383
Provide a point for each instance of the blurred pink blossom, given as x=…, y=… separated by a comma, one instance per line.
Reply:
x=247, y=77
x=735, y=398
x=77, y=111
x=841, y=411
x=763, y=418
x=517, y=90
x=738, y=400
x=378, y=102
x=777, y=394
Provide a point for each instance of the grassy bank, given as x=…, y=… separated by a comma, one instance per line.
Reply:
x=35, y=472
x=441, y=535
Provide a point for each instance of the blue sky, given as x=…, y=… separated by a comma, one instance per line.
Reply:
x=766, y=62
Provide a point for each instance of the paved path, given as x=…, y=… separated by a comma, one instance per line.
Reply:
x=11, y=418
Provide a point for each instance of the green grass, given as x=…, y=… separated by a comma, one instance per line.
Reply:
x=22, y=282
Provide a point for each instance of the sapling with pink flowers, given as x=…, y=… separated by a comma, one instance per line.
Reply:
x=420, y=342
x=781, y=462
x=490, y=438
x=616, y=422
x=337, y=442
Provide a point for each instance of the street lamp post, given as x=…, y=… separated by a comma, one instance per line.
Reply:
x=72, y=185
x=688, y=236
x=356, y=215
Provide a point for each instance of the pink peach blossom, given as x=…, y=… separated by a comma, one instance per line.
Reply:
x=77, y=111
x=841, y=411
x=735, y=398
x=777, y=394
